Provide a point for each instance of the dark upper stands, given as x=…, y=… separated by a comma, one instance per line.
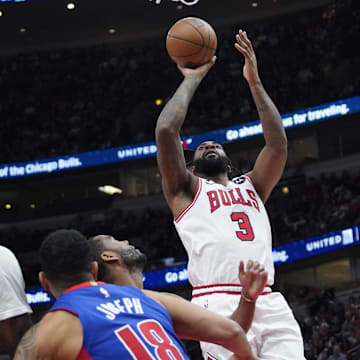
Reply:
x=69, y=101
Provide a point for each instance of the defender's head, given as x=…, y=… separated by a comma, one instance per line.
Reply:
x=211, y=160
x=118, y=261
x=65, y=261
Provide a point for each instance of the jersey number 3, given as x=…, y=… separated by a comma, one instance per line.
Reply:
x=246, y=232
x=154, y=336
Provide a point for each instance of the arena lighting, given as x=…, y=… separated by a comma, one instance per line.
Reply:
x=1, y=13
x=32, y=206
x=22, y=30
x=70, y=6
x=254, y=4
x=8, y=206
x=110, y=189
x=112, y=31
x=158, y=102
x=285, y=190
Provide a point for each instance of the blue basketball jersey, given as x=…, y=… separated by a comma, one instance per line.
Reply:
x=121, y=322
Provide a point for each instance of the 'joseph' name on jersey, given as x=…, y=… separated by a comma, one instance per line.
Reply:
x=118, y=306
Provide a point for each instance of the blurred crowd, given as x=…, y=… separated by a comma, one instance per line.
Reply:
x=315, y=206
x=69, y=101
x=331, y=327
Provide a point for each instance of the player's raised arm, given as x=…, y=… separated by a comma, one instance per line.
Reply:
x=253, y=280
x=170, y=157
x=271, y=161
x=193, y=322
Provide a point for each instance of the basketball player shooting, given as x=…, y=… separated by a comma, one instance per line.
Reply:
x=221, y=221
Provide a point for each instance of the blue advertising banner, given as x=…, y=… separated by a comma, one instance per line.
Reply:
x=287, y=253
x=138, y=151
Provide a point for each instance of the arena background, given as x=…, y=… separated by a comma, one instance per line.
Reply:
x=92, y=80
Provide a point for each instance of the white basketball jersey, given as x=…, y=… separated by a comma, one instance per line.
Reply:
x=223, y=225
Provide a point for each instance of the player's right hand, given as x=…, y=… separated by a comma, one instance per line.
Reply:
x=253, y=279
x=199, y=72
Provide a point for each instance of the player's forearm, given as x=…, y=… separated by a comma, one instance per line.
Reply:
x=173, y=115
x=240, y=347
x=271, y=122
x=244, y=314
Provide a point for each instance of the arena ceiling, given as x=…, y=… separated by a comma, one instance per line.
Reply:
x=48, y=23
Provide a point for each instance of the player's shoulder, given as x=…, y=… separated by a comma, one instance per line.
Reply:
x=59, y=332
x=242, y=179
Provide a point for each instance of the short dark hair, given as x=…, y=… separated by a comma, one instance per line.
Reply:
x=65, y=257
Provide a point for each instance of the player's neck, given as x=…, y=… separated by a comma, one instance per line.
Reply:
x=122, y=278
x=222, y=179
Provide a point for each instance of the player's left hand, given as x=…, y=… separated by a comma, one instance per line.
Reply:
x=244, y=46
x=253, y=279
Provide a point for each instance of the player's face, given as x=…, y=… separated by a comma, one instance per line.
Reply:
x=209, y=150
x=130, y=255
x=210, y=159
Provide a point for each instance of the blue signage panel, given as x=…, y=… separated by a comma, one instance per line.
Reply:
x=131, y=152
x=317, y=245
x=166, y=277
x=283, y=254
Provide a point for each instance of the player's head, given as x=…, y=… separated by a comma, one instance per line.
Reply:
x=211, y=160
x=117, y=260
x=65, y=259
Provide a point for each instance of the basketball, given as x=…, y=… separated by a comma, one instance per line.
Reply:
x=191, y=42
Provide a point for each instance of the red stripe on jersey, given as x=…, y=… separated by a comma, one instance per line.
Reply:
x=213, y=285
x=83, y=355
x=226, y=292
x=84, y=285
x=197, y=193
x=248, y=177
x=64, y=309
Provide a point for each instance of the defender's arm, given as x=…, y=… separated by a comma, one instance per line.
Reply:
x=193, y=322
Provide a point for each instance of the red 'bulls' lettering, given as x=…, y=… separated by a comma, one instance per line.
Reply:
x=228, y=197
x=214, y=200
x=226, y=201
x=253, y=197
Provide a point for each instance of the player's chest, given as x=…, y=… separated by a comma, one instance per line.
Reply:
x=226, y=199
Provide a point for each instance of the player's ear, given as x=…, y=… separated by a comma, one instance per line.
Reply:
x=44, y=281
x=109, y=256
x=94, y=269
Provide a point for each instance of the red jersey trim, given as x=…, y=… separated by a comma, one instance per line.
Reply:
x=64, y=309
x=248, y=177
x=83, y=354
x=84, y=285
x=226, y=292
x=215, y=285
x=197, y=193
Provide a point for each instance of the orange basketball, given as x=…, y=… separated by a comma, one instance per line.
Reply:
x=191, y=42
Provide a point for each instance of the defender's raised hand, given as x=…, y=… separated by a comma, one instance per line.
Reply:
x=253, y=279
x=244, y=46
